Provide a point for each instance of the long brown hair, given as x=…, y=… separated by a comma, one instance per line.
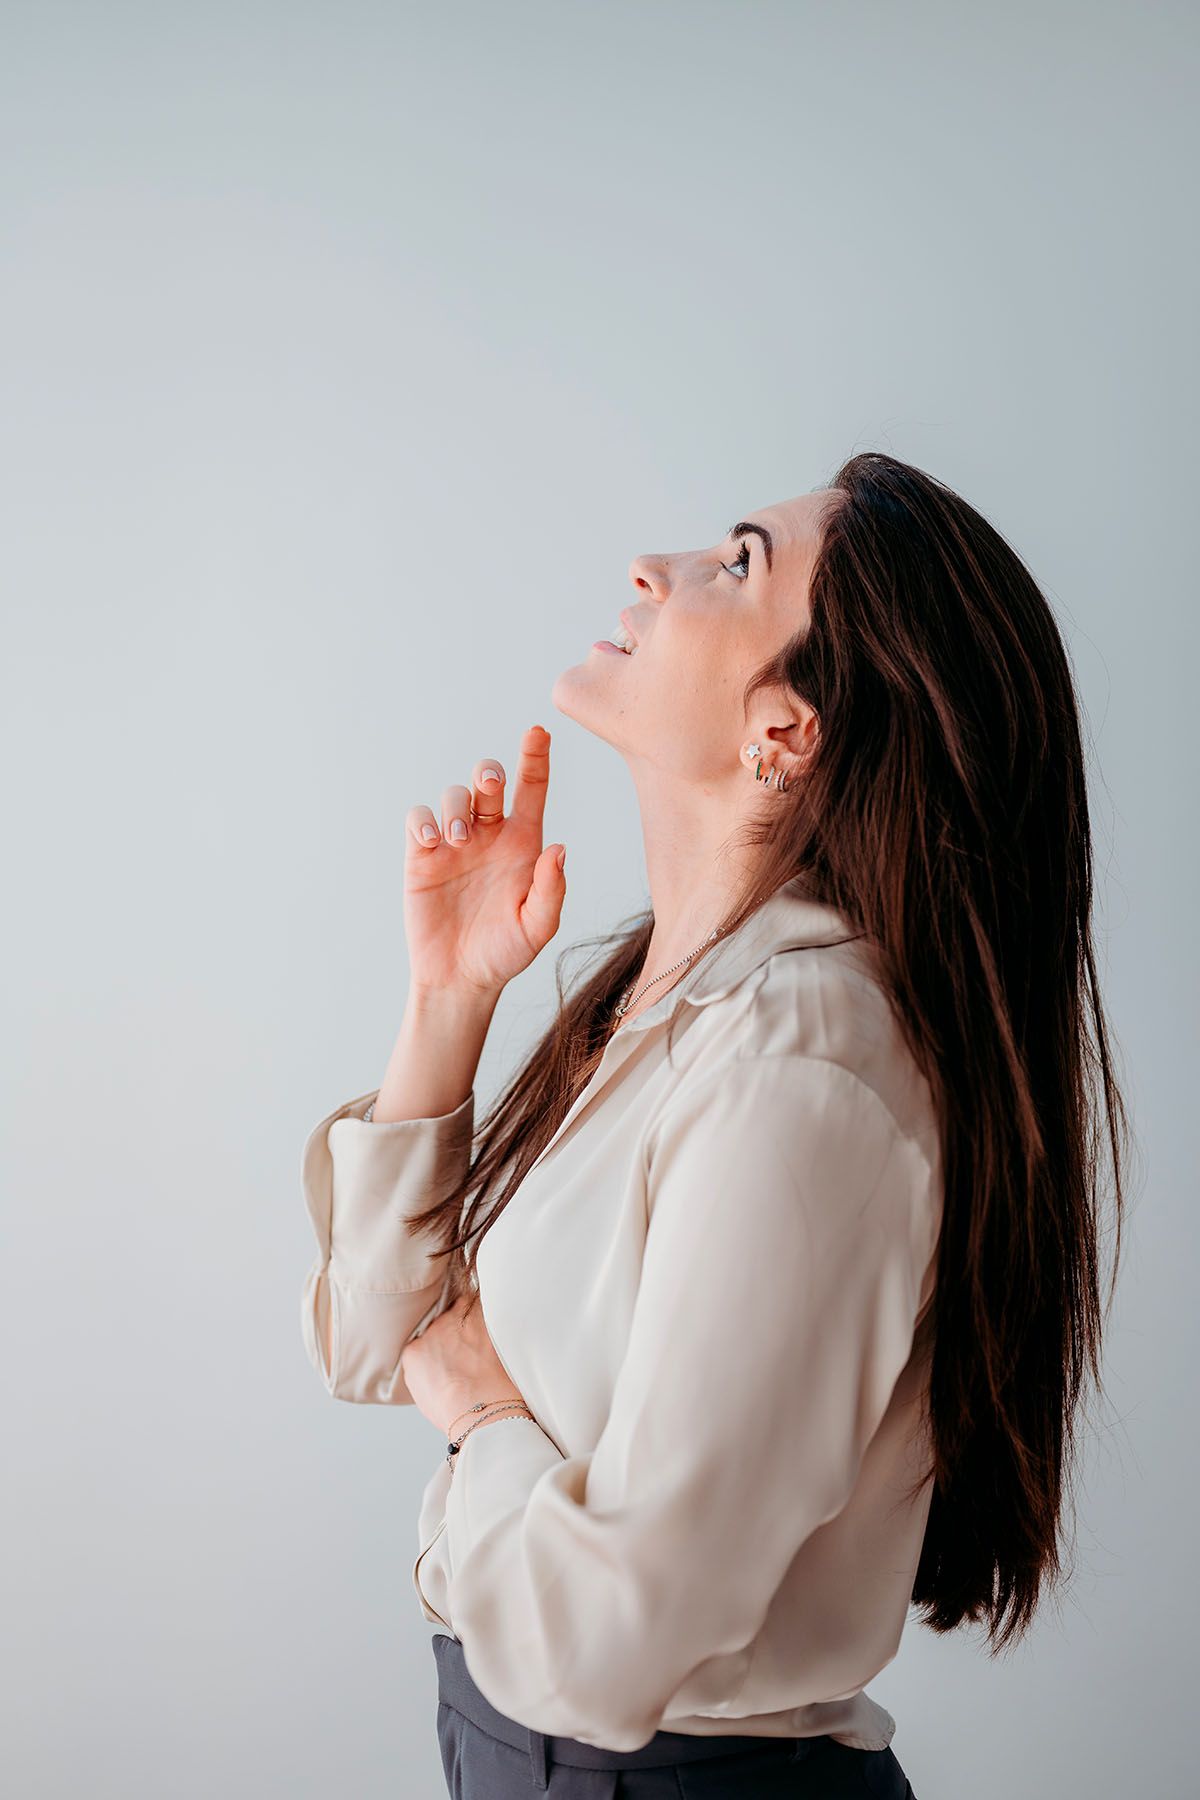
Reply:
x=944, y=812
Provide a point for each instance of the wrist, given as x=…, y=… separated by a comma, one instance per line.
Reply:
x=508, y=1412
x=469, y=1411
x=463, y=1424
x=432, y=1006
x=504, y=1409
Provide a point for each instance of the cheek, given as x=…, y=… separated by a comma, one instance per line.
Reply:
x=697, y=640
x=717, y=652
x=702, y=667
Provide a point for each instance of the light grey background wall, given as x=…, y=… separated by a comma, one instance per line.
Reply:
x=349, y=355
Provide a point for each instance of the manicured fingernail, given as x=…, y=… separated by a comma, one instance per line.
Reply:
x=490, y=776
x=429, y=832
x=458, y=829
x=562, y=856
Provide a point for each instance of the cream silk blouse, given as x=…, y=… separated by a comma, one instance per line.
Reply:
x=713, y=1290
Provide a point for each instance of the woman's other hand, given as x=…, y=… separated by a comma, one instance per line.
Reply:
x=452, y=1364
x=479, y=906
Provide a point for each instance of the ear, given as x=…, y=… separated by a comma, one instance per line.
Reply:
x=786, y=730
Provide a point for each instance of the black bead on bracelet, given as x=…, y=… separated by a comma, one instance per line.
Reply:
x=454, y=1444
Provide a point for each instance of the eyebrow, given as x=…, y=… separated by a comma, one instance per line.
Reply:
x=747, y=525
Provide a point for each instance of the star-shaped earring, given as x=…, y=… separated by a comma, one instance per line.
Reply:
x=773, y=778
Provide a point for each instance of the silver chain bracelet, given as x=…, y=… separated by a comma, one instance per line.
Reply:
x=454, y=1444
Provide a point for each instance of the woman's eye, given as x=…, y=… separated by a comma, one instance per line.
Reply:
x=744, y=559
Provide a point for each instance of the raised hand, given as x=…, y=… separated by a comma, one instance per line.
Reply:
x=478, y=907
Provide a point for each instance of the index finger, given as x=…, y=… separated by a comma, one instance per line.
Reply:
x=533, y=776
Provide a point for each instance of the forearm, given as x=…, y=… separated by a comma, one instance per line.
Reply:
x=432, y=1069
x=435, y=1058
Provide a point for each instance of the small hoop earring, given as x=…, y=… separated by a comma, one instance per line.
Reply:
x=774, y=778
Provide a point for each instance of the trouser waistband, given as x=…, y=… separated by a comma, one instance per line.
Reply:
x=457, y=1688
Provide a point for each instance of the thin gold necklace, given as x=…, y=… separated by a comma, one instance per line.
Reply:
x=624, y=1003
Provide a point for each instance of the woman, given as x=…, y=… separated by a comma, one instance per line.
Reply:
x=787, y=1230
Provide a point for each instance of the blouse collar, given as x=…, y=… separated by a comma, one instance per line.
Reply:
x=789, y=919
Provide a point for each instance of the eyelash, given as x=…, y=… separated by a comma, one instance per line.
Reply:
x=743, y=558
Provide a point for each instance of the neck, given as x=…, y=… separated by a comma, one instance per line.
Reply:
x=694, y=872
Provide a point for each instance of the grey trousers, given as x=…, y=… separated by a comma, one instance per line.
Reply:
x=488, y=1756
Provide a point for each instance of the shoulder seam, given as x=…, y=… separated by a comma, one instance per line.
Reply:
x=747, y=1059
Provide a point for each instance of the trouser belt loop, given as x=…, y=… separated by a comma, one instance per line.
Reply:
x=537, y=1758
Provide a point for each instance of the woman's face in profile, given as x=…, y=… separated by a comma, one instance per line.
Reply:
x=704, y=621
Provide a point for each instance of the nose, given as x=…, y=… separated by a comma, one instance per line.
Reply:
x=649, y=576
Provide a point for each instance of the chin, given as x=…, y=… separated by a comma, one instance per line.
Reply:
x=570, y=687
x=577, y=696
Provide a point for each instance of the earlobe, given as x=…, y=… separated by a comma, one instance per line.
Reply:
x=769, y=773
x=781, y=761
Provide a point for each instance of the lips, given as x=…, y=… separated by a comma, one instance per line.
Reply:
x=623, y=642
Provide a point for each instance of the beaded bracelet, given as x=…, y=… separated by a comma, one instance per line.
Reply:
x=477, y=1408
x=454, y=1445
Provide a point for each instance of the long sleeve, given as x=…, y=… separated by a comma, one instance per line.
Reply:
x=789, y=1231
x=375, y=1276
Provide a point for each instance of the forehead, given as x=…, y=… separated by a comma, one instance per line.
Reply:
x=795, y=525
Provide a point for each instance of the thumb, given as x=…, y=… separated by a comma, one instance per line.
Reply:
x=543, y=904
